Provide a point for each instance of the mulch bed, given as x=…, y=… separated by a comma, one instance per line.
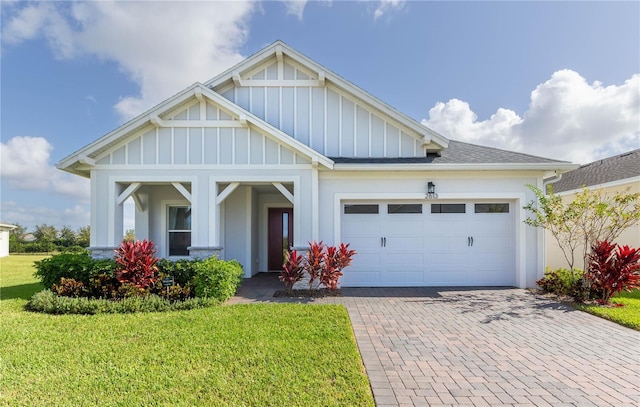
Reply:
x=320, y=293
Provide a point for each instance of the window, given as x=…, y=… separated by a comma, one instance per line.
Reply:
x=404, y=208
x=448, y=208
x=492, y=208
x=179, y=230
x=360, y=208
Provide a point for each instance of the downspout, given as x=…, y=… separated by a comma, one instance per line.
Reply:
x=555, y=178
x=542, y=237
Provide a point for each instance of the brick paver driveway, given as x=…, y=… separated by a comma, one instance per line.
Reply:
x=502, y=347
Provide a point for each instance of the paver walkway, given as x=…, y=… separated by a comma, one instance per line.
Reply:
x=482, y=347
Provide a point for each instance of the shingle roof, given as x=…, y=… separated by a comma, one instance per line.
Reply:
x=610, y=169
x=457, y=153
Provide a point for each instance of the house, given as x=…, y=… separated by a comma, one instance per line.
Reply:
x=278, y=151
x=618, y=174
x=5, y=231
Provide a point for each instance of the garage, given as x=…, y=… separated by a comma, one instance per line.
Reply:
x=429, y=244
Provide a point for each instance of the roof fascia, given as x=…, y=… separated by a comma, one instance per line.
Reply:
x=429, y=136
x=562, y=167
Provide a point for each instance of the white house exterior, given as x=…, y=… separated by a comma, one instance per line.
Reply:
x=5, y=231
x=279, y=151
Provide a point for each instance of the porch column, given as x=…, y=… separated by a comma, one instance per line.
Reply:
x=315, y=221
x=116, y=215
x=105, y=215
x=202, y=245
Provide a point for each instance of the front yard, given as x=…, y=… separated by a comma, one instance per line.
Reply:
x=250, y=355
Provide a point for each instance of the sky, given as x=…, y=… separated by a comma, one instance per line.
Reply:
x=554, y=79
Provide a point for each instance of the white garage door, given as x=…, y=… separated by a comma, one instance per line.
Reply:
x=429, y=244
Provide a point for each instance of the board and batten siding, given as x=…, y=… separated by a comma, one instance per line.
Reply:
x=328, y=120
x=200, y=145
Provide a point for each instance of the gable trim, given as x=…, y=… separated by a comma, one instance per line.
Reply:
x=77, y=162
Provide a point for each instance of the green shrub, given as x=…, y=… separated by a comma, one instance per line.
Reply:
x=48, y=302
x=78, y=266
x=183, y=271
x=72, y=249
x=175, y=293
x=38, y=247
x=217, y=278
x=562, y=282
x=129, y=290
x=68, y=287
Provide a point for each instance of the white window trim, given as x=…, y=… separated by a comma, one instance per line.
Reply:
x=164, y=243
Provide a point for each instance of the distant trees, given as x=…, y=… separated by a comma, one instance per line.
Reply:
x=46, y=238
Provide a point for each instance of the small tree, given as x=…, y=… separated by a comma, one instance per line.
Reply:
x=593, y=216
x=550, y=213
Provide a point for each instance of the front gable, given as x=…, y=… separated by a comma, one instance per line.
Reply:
x=183, y=138
x=196, y=128
x=322, y=110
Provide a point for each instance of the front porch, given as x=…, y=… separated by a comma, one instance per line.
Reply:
x=250, y=219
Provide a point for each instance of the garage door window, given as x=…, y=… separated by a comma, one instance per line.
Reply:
x=492, y=208
x=448, y=208
x=360, y=208
x=404, y=208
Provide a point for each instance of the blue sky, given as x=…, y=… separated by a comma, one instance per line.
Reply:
x=556, y=79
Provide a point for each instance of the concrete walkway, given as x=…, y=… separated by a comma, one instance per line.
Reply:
x=481, y=347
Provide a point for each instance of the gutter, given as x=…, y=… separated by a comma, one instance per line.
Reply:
x=557, y=168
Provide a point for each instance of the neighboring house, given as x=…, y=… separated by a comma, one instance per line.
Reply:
x=279, y=151
x=620, y=173
x=5, y=231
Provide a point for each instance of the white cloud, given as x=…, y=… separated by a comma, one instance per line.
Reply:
x=24, y=163
x=162, y=46
x=295, y=7
x=567, y=119
x=387, y=6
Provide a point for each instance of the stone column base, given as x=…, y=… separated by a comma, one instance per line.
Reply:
x=102, y=252
x=203, y=252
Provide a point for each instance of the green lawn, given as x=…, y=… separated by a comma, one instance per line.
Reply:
x=240, y=355
x=629, y=315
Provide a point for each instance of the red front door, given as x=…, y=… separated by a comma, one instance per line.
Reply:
x=280, y=235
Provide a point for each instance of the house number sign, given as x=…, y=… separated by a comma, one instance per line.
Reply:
x=167, y=282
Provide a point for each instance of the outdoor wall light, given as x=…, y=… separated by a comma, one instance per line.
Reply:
x=431, y=191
